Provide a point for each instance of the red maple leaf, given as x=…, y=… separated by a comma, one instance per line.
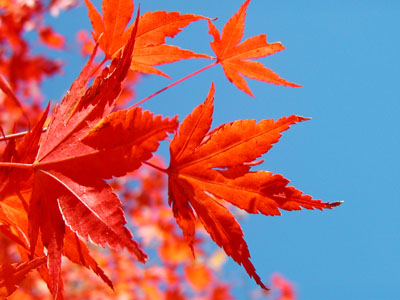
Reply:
x=51, y=38
x=150, y=49
x=210, y=167
x=85, y=143
x=11, y=275
x=54, y=193
x=233, y=56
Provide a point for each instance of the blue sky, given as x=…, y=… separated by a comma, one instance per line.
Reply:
x=345, y=54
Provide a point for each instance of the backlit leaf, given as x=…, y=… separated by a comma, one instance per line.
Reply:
x=233, y=56
x=208, y=168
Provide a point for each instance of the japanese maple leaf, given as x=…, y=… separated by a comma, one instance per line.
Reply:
x=109, y=31
x=84, y=144
x=233, y=56
x=14, y=218
x=11, y=275
x=198, y=276
x=15, y=188
x=12, y=180
x=51, y=38
x=150, y=49
x=210, y=167
x=7, y=91
x=279, y=283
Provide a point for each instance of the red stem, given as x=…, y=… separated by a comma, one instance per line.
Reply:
x=156, y=167
x=21, y=134
x=16, y=165
x=16, y=135
x=175, y=83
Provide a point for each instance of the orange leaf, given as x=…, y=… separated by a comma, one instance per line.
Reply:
x=174, y=294
x=285, y=287
x=153, y=29
x=84, y=144
x=146, y=57
x=13, y=180
x=11, y=275
x=13, y=212
x=221, y=293
x=4, y=86
x=175, y=251
x=233, y=56
x=156, y=26
x=109, y=30
x=78, y=253
x=198, y=275
x=51, y=39
x=85, y=42
x=208, y=167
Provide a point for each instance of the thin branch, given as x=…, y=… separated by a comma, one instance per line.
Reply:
x=175, y=83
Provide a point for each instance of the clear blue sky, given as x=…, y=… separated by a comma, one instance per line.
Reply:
x=346, y=56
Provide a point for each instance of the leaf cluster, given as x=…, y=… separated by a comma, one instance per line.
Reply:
x=58, y=192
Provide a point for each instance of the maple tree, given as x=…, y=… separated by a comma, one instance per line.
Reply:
x=65, y=171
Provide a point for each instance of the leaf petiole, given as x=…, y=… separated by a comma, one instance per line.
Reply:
x=175, y=83
x=156, y=167
x=16, y=165
x=17, y=135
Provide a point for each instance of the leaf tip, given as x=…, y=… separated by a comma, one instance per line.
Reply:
x=337, y=203
x=302, y=119
x=331, y=205
x=192, y=250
